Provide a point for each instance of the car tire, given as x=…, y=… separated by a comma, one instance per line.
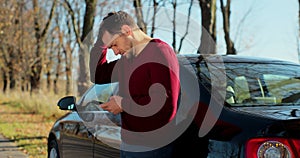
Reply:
x=53, y=151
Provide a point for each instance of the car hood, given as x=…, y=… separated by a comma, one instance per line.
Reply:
x=275, y=112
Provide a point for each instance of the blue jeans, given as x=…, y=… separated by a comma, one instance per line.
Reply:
x=163, y=152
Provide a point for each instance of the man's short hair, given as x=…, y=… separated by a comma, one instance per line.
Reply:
x=114, y=21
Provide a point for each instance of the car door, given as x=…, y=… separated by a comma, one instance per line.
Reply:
x=77, y=141
x=103, y=125
x=107, y=136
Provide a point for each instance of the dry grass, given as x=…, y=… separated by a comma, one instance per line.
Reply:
x=27, y=119
x=44, y=104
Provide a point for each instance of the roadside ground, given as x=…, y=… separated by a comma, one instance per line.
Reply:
x=8, y=149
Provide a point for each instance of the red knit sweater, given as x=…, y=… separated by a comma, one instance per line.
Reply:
x=157, y=63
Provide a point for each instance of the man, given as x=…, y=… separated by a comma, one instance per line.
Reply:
x=148, y=75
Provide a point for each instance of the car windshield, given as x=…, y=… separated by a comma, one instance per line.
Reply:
x=262, y=84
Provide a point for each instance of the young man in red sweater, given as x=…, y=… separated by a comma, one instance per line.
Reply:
x=148, y=76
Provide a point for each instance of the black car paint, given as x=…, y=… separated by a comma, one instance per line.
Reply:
x=227, y=138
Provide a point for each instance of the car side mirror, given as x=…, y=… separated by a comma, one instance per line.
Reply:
x=67, y=103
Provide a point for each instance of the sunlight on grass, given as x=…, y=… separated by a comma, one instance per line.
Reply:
x=45, y=104
x=27, y=119
x=31, y=138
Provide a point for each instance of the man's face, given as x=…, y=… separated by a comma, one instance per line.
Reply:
x=119, y=43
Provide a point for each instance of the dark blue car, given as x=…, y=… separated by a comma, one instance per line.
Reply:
x=245, y=107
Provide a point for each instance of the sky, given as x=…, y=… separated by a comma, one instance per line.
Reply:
x=265, y=28
x=270, y=29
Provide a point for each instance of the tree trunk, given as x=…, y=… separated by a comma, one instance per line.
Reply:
x=11, y=70
x=226, y=24
x=174, y=4
x=12, y=84
x=5, y=81
x=37, y=65
x=57, y=73
x=68, y=58
x=25, y=83
x=208, y=36
x=68, y=80
x=84, y=77
x=155, y=5
x=68, y=69
x=48, y=74
x=49, y=63
x=139, y=15
x=212, y=27
x=208, y=14
x=298, y=38
x=187, y=27
x=55, y=88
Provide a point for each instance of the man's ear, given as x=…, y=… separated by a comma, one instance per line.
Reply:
x=126, y=30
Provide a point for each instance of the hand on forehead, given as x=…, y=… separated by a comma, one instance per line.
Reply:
x=108, y=38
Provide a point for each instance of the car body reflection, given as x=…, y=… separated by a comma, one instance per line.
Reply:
x=260, y=113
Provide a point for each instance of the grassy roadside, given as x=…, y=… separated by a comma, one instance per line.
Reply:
x=27, y=121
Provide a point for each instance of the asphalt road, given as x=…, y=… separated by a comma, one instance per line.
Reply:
x=8, y=149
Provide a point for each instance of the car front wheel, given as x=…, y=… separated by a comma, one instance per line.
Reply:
x=53, y=151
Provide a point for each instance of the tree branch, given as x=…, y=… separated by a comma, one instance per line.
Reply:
x=72, y=14
x=44, y=32
x=187, y=26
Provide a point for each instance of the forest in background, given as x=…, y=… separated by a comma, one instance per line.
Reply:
x=42, y=41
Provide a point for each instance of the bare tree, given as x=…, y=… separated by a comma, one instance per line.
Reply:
x=187, y=26
x=155, y=7
x=49, y=63
x=4, y=24
x=139, y=14
x=172, y=18
x=4, y=78
x=67, y=50
x=25, y=34
x=40, y=34
x=298, y=38
x=208, y=14
x=88, y=23
x=62, y=34
x=4, y=68
x=174, y=5
x=10, y=50
x=208, y=36
x=226, y=24
x=57, y=70
x=242, y=43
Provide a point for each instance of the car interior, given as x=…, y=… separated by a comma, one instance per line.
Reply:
x=264, y=90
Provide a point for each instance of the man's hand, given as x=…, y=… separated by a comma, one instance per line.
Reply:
x=113, y=105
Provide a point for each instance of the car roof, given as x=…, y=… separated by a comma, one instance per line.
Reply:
x=193, y=58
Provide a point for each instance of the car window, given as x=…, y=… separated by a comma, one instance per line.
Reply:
x=257, y=84
x=263, y=84
x=240, y=89
x=285, y=88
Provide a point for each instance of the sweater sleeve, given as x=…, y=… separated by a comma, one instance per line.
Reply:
x=100, y=69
